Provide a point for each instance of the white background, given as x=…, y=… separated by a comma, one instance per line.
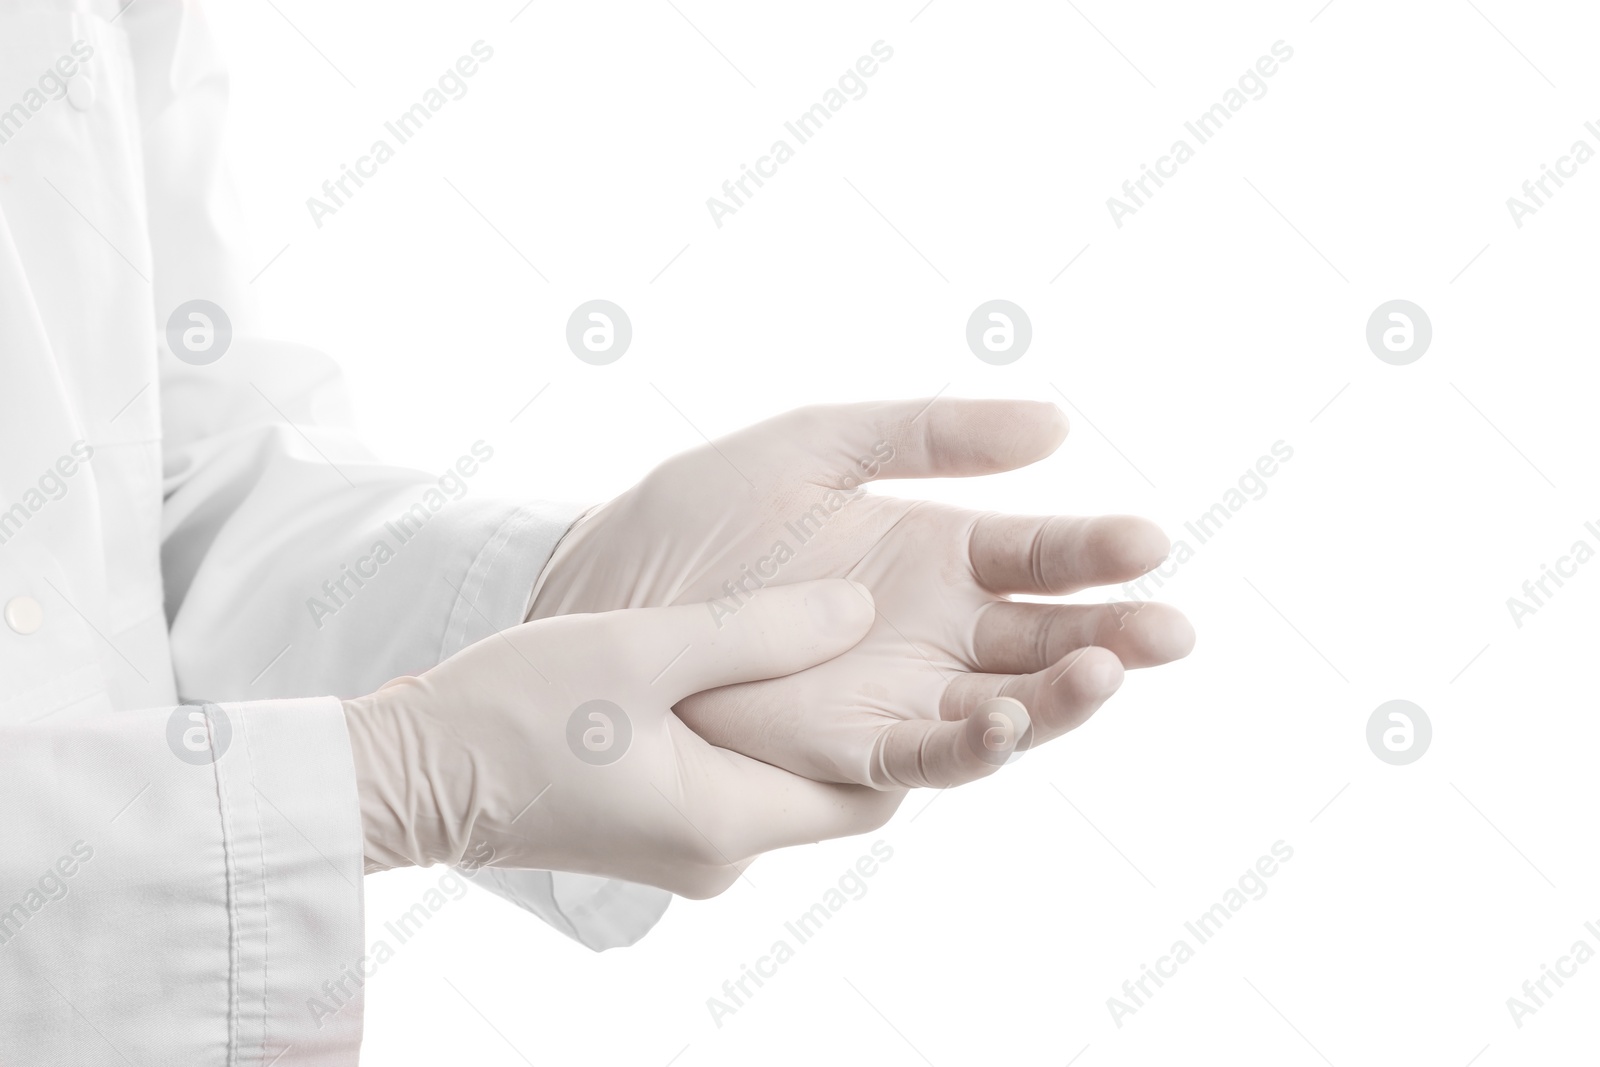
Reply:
x=1226, y=315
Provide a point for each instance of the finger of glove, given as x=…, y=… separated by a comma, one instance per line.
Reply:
x=776, y=631
x=1058, y=699
x=919, y=753
x=945, y=437
x=1012, y=637
x=1051, y=555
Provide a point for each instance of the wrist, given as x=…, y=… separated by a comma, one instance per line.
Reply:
x=370, y=723
x=564, y=546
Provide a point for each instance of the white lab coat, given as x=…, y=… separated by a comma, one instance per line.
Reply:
x=176, y=889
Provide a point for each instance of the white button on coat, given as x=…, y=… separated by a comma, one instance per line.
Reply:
x=81, y=91
x=136, y=488
x=24, y=615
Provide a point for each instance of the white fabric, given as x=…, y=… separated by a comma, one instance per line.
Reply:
x=141, y=495
x=156, y=911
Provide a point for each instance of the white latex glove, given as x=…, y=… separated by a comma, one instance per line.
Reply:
x=501, y=756
x=779, y=502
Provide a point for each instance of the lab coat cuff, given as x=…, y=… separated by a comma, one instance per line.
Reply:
x=598, y=913
x=497, y=589
x=292, y=844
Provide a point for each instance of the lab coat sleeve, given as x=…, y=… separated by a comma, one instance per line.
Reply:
x=294, y=562
x=271, y=529
x=181, y=891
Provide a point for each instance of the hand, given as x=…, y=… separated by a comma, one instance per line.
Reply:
x=552, y=746
x=781, y=502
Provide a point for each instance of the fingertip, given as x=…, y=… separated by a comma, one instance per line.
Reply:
x=996, y=730
x=989, y=436
x=1094, y=673
x=1056, y=419
x=851, y=608
x=1149, y=633
x=1180, y=637
x=1130, y=545
x=1070, y=693
x=1040, y=427
x=1106, y=670
x=840, y=610
x=775, y=631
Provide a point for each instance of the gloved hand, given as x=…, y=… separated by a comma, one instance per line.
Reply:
x=781, y=502
x=552, y=745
